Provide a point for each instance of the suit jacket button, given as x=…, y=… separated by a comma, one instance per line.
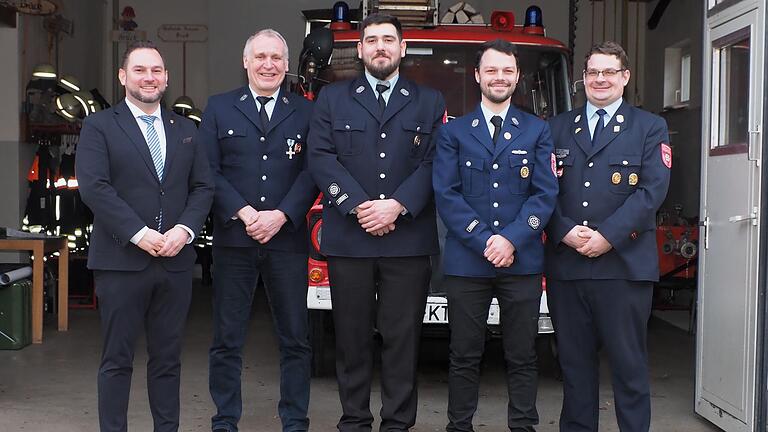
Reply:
x=262, y=139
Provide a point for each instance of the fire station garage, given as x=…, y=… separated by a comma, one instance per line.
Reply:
x=699, y=65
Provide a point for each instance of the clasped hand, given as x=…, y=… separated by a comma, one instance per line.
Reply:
x=377, y=217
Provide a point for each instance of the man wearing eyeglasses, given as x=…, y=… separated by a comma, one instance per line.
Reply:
x=613, y=162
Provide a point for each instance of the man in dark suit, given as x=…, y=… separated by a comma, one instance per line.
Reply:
x=371, y=156
x=147, y=182
x=495, y=190
x=256, y=138
x=613, y=161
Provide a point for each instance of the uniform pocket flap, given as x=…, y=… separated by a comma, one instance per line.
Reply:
x=472, y=163
x=348, y=125
x=226, y=132
x=419, y=127
x=625, y=160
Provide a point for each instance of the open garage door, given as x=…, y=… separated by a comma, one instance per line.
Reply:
x=727, y=338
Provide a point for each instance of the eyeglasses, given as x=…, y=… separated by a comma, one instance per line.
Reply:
x=607, y=73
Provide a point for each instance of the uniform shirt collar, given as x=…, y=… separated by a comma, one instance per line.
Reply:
x=271, y=102
x=137, y=112
x=372, y=81
x=610, y=110
x=488, y=114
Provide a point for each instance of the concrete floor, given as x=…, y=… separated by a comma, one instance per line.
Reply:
x=52, y=387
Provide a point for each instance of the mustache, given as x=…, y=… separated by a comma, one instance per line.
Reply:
x=502, y=82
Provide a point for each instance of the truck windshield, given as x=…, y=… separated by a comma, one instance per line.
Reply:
x=543, y=88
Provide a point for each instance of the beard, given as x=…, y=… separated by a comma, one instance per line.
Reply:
x=148, y=99
x=495, y=97
x=384, y=71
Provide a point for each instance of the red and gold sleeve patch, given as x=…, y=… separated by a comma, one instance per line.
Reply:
x=666, y=155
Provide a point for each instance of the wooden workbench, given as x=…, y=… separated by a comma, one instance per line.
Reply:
x=39, y=247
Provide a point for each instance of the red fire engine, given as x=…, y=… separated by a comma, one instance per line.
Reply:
x=442, y=57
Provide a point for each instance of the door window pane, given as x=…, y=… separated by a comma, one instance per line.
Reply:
x=730, y=91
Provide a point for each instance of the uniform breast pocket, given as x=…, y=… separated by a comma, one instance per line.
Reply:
x=471, y=176
x=233, y=142
x=624, y=173
x=349, y=136
x=521, y=172
x=418, y=134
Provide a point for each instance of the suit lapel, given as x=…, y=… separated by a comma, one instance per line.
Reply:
x=613, y=129
x=510, y=127
x=399, y=98
x=127, y=123
x=246, y=105
x=172, y=139
x=283, y=109
x=580, y=130
x=364, y=95
x=480, y=129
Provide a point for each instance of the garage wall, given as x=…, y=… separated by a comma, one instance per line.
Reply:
x=684, y=122
x=9, y=135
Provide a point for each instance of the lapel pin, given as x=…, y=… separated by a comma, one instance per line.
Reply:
x=243, y=97
x=404, y=92
x=507, y=135
x=515, y=122
x=620, y=118
x=617, y=128
x=475, y=122
x=285, y=100
x=577, y=130
x=519, y=152
x=360, y=89
x=577, y=119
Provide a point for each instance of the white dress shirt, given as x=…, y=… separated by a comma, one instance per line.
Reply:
x=160, y=129
x=488, y=114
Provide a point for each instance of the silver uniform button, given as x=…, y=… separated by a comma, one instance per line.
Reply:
x=418, y=128
x=262, y=139
x=262, y=199
x=495, y=166
x=585, y=223
x=495, y=223
x=265, y=157
x=381, y=196
x=383, y=135
x=346, y=127
x=587, y=184
x=382, y=175
x=468, y=163
x=495, y=185
x=230, y=132
x=584, y=204
x=495, y=205
x=591, y=164
x=525, y=161
x=624, y=163
x=382, y=155
x=263, y=177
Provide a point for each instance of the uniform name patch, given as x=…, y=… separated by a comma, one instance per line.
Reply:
x=666, y=155
x=472, y=225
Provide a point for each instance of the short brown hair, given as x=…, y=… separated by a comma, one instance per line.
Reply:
x=133, y=46
x=608, y=48
x=499, y=45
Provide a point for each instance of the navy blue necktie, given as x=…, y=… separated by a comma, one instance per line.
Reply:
x=382, y=87
x=599, y=126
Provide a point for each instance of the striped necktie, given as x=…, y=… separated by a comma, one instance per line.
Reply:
x=153, y=142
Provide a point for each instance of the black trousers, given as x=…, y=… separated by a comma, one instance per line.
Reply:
x=156, y=302
x=590, y=315
x=469, y=299
x=391, y=294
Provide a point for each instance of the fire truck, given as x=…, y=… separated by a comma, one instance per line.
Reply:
x=441, y=56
